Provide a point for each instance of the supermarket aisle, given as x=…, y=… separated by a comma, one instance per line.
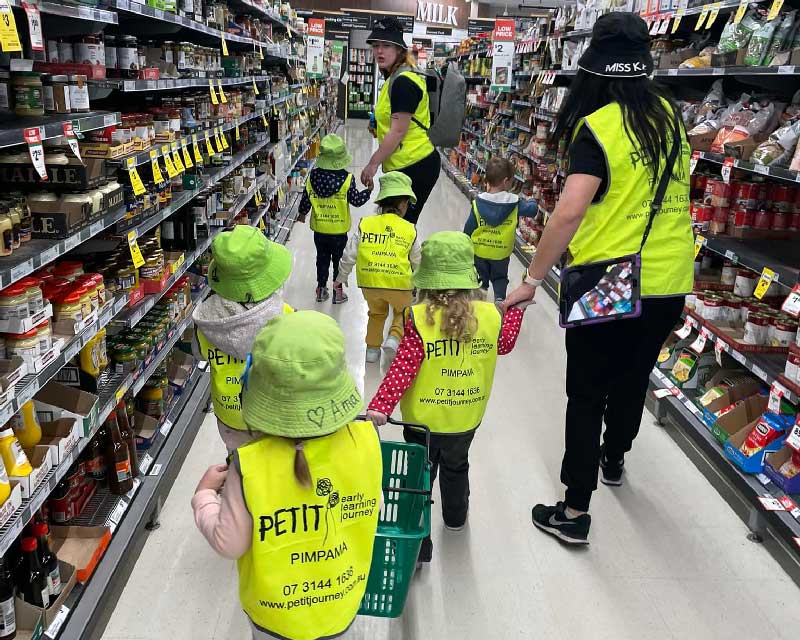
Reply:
x=668, y=558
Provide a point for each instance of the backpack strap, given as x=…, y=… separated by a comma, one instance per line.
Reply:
x=391, y=79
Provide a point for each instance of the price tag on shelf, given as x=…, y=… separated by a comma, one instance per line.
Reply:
x=762, y=479
x=712, y=14
x=792, y=303
x=176, y=160
x=198, y=157
x=655, y=27
x=214, y=98
x=740, y=11
x=156, y=469
x=677, y=21
x=236, y=134
x=771, y=504
x=774, y=10
x=33, y=138
x=187, y=157
x=701, y=18
x=258, y=197
x=166, y=428
x=157, y=177
x=260, y=52
x=727, y=168
x=793, y=439
x=263, y=119
x=787, y=503
x=72, y=140
x=9, y=38
x=136, y=252
x=223, y=138
x=144, y=462
x=171, y=170
x=663, y=393
x=255, y=88
x=34, y=25
x=693, y=161
x=217, y=141
x=224, y=46
x=54, y=628
x=767, y=276
x=209, y=148
x=685, y=330
x=664, y=26
x=116, y=515
x=776, y=393
x=132, y=492
x=700, y=342
x=699, y=243
x=222, y=97
x=719, y=347
x=133, y=174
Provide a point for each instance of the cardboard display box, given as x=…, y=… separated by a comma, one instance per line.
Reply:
x=72, y=176
x=41, y=459
x=30, y=625
x=11, y=372
x=55, y=401
x=61, y=436
x=743, y=414
x=772, y=467
x=67, y=584
x=15, y=325
x=755, y=462
x=82, y=547
x=732, y=395
x=12, y=503
x=146, y=430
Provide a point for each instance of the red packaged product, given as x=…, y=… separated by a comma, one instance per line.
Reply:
x=743, y=218
x=748, y=194
x=782, y=197
x=780, y=220
x=794, y=221
x=761, y=435
x=763, y=219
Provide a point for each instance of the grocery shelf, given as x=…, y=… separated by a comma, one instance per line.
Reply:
x=790, y=70
x=172, y=84
x=73, y=11
x=779, y=173
x=52, y=126
x=524, y=251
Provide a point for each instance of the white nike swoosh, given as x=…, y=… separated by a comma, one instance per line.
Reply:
x=557, y=523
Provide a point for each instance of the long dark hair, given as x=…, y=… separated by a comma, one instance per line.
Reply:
x=649, y=123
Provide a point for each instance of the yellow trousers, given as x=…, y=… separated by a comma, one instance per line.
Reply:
x=379, y=301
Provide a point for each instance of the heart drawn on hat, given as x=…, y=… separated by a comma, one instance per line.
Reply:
x=317, y=416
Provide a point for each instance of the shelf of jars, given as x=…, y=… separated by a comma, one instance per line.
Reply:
x=78, y=12
x=12, y=127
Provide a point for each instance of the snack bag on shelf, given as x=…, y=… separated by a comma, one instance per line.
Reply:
x=769, y=427
x=791, y=467
x=778, y=149
x=737, y=36
x=782, y=38
x=760, y=42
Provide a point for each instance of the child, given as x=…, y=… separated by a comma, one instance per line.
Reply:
x=443, y=372
x=384, y=252
x=281, y=507
x=329, y=192
x=492, y=224
x=246, y=274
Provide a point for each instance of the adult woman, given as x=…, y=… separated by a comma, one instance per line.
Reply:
x=622, y=129
x=402, y=116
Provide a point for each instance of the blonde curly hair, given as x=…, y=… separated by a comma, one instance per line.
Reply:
x=458, y=318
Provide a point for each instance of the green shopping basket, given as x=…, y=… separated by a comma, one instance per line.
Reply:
x=404, y=521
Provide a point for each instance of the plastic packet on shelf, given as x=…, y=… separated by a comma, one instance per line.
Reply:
x=777, y=149
x=737, y=36
x=760, y=43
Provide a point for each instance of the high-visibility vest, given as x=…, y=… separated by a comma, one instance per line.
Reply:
x=226, y=381
x=614, y=226
x=415, y=145
x=306, y=571
x=385, y=243
x=331, y=215
x=494, y=243
x=451, y=389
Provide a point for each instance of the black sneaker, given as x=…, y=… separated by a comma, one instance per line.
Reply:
x=610, y=471
x=425, y=551
x=553, y=520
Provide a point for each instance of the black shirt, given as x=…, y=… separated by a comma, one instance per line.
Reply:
x=405, y=95
x=587, y=156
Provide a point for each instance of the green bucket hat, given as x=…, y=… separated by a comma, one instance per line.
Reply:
x=246, y=267
x=333, y=154
x=395, y=183
x=299, y=385
x=448, y=262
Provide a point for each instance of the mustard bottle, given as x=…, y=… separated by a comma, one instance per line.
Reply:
x=26, y=426
x=5, y=485
x=93, y=357
x=14, y=458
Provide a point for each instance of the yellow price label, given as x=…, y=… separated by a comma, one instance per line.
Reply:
x=224, y=46
x=222, y=97
x=120, y=393
x=176, y=160
x=740, y=11
x=701, y=19
x=699, y=241
x=218, y=142
x=263, y=118
x=198, y=157
x=260, y=52
x=209, y=148
x=214, y=99
x=171, y=171
x=236, y=133
x=136, y=181
x=157, y=177
x=187, y=157
x=677, y=20
x=9, y=38
x=774, y=10
x=712, y=15
x=225, y=144
x=261, y=224
x=255, y=88
x=258, y=197
x=136, y=252
x=767, y=276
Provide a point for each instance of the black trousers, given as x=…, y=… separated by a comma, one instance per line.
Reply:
x=424, y=175
x=450, y=454
x=329, y=249
x=494, y=272
x=608, y=367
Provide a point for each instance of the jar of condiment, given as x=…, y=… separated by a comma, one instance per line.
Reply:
x=16, y=226
x=167, y=52
x=33, y=292
x=88, y=283
x=756, y=329
x=79, y=93
x=68, y=308
x=66, y=53
x=59, y=87
x=729, y=271
x=110, y=47
x=745, y=283
x=782, y=332
x=100, y=287
x=792, y=371
x=127, y=56
x=6, y=235
x=124, y=358
x=90, y=51
x=24, y=345
x=125, y=278
x=14, y=302
x=712, y=308
x=45, y=335
x=27, y=93
x=69, y=269
x=5, y=93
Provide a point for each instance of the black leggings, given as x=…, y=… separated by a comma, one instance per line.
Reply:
x=424, y=175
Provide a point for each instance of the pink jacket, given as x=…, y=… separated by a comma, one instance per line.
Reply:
x=223, y=518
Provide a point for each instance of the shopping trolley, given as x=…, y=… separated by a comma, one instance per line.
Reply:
x=405, y=519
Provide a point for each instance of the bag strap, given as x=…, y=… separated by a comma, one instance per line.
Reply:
x=663, y=183
x=397, y=72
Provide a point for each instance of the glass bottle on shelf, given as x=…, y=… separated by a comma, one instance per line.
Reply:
x=33, y=581
x=126, y=431
x=120, y=478
x=8, y=619
x=48, y=560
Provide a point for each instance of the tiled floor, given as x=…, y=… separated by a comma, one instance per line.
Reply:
x=668, y=557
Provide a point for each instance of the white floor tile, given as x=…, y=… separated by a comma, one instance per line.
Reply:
x=668, y=558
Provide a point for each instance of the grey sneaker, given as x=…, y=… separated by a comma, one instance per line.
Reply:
x=373, y=354
x=323, y=294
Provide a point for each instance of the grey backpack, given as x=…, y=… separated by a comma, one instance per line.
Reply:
x=447, y=95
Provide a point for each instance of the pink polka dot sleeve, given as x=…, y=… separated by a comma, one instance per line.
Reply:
x=402, y=372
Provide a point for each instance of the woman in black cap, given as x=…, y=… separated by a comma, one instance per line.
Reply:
x=622, y=128
x=402, y=117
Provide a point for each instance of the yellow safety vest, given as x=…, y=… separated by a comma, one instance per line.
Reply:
x=385, y=242
x=226, y=383
x=306, y=571
x=452, y=387
x=614, y=226
x=331, y=215
x=416, y=145
x=494, y=243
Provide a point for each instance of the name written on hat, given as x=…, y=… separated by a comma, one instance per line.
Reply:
x=333, y=410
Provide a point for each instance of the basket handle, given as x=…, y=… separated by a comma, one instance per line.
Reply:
x=415, y=427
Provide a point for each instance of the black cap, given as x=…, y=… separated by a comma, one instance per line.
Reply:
x=387, y=29
x=620, y=47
